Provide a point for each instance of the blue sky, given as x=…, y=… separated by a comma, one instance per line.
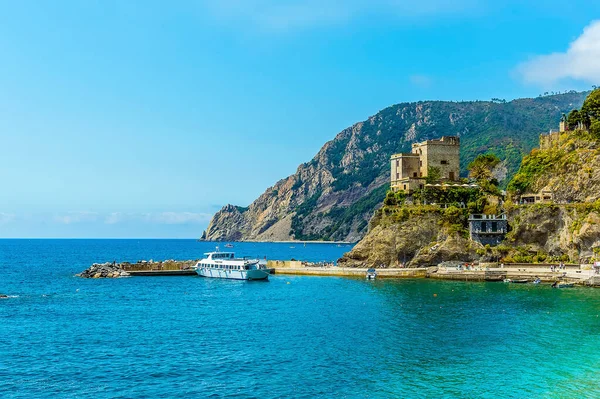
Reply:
x=138, y=119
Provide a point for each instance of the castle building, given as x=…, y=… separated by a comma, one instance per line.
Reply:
x=408, y=171
x=552, y=138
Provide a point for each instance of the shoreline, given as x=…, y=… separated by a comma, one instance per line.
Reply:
x=490, y=275
x=284, y=242
x=577, y=274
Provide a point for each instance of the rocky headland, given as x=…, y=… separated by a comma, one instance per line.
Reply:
x=333, y=196
x=562, y=225
x=413, y=236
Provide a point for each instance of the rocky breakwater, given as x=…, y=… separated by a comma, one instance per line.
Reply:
x=104, y=270
x=123, y=269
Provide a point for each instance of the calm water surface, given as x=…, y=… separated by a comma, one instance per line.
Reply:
x=291, y=337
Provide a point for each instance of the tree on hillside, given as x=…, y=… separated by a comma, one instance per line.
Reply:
x=590, y=113
x=595, y=128
x=591, y=106
x=434, y=174
x=481, y=168
x=574, y=118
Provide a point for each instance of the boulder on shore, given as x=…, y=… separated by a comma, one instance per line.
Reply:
x=103, y=270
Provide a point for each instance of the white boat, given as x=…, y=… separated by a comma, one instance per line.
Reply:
x=371, y=274
x=225, y=265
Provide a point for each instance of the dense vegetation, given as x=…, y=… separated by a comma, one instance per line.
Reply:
x=585, y=125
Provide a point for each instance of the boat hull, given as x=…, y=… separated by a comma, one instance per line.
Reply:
x=255, y=274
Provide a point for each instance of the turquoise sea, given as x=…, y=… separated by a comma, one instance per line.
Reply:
x=291, y=337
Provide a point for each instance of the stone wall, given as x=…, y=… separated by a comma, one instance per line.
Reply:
x=549, y=140
x=443, y=154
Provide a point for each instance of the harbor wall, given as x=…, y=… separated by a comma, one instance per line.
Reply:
x=351, y=272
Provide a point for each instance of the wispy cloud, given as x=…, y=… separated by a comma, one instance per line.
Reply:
x=179, y=217
x=158, y=218
x=281, y=15
x=76, y=217
x=581, y=61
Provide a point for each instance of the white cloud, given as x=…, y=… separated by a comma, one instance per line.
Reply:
x=179, y=217
x=281, y=15
x=76, y=217
x=115, y=217
x=581, y=61
x=421, y=81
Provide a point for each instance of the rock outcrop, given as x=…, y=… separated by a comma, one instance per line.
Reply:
x=420, y=240
x=333, y=196
x=103, y=270
x=569, y=170
x=569, y=231
x=114, y=270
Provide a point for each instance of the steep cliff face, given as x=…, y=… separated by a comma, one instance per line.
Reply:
x=333, y=196
x=569, y=231
x=569, y=170
x=421, y=239
x=569, y=226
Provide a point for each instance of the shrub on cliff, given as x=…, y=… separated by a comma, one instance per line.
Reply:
x=595, y=129
x=482, y=166
x=455, y=221
x=532, y=166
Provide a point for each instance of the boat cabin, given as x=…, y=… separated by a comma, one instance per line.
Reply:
x=220, y=255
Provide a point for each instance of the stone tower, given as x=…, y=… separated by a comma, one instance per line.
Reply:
x=563, y=127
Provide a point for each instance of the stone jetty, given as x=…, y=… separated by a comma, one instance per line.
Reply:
x=140, y=268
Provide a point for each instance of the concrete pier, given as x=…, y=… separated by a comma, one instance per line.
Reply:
x=146, y=273
x=351, y=272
